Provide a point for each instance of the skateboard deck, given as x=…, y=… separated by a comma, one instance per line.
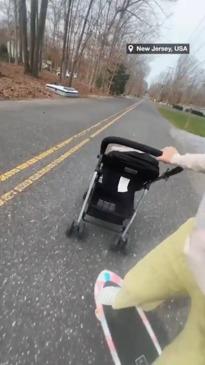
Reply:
x=128, y=333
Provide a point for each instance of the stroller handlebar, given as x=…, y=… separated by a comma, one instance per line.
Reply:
x=174, y=171
x=168, y=173
x=132, y=144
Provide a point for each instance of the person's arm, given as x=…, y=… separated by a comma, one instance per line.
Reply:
x=193, y=161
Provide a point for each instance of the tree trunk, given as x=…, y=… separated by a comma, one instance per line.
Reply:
x=34, y=8
x=20, y=37
x=98, y=62
x=40, y=59
x=16, y=31
x=67, y=58
x=23, y=26
x=79, y=43
x=9, y=58
x=65, y=39
x=40, y=35
x=82, y=50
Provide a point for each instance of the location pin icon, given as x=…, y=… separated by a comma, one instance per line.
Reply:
x=130, y=48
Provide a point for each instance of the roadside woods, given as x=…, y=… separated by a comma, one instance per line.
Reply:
x=81, y=38
x=183, y=84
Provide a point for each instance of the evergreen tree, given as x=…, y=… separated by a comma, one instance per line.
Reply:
x=119, y=80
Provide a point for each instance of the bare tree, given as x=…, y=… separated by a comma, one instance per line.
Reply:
x=54, y=17
x=80, y=42
x=33, y=25
x=7, y=12
x=86, y=37
x=39, y=37
x=65, y=37
x=16, y=30
x=20, y=33
x=183, y=84
x=23, y=26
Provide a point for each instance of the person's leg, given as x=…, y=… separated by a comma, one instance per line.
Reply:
x=158, y=276
x=162, y=274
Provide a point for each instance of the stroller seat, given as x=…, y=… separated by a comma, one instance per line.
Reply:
x=137, y=165
x=108, y=201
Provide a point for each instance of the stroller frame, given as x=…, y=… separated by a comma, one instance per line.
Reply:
x=77, y=227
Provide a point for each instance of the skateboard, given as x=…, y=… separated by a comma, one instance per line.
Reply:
x=128, y=332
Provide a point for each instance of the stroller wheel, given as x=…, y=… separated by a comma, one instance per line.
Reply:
x=84, y=195
x=80, y=231
x=76, y=229
x=119, y=245
x=71, y=230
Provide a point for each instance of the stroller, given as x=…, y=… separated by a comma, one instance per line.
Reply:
x=124, y=167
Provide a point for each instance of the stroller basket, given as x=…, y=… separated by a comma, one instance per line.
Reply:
x=124, y=167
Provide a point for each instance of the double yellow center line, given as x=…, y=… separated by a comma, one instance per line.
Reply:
x=36, y=176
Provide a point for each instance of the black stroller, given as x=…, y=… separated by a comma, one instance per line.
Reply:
x=123, y=168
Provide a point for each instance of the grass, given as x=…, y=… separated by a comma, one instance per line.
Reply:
x=187, y=121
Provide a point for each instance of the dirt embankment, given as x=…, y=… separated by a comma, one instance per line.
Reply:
x=14, y=84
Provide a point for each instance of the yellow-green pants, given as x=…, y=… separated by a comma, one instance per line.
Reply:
x=164, y=274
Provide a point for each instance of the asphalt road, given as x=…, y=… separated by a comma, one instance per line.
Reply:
x=46, y=280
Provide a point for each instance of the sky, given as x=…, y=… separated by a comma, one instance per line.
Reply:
x=186, y=25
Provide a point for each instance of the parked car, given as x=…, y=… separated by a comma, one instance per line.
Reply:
x=63, y=90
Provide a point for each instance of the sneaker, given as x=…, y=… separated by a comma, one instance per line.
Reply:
x=108, y=294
